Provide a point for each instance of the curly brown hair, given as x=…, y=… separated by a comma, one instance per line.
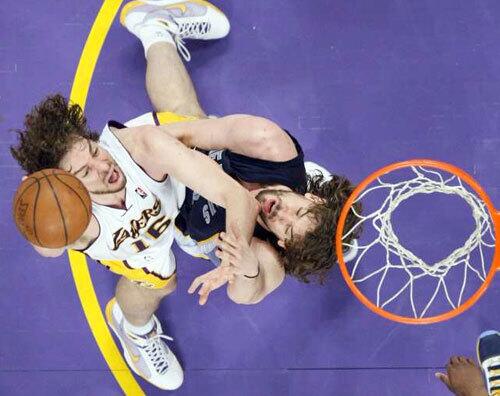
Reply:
x=50, y=129
x=312, y=255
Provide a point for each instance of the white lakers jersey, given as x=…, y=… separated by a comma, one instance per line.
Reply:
x=141, y=235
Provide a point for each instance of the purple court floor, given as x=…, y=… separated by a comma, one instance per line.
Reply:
x=361, y=84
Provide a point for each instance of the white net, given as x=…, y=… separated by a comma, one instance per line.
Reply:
x=471, y=258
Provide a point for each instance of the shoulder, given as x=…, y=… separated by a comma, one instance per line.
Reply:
x=131, y=137
x=267, y=255
x=273, y=142
x=141, y=143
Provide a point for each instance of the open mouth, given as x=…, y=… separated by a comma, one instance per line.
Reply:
x=113, y=178
x=268, y=206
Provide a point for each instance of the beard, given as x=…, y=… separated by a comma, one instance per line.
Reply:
x=262, y=196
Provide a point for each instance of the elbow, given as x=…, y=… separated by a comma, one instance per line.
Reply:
x=242, y=299
x=49, y=253
x=54, y=254
x=269, y=140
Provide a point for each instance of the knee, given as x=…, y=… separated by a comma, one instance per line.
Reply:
x=169, y=287
x=189, y=109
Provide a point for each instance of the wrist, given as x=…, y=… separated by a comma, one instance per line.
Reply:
x=253, y=276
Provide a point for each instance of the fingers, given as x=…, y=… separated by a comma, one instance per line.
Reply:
x=209, y=286
x=444, y=379
x=228, y=240
x=204, y=291
x=211, y=281
x=470, y=361
x=457, y=360
x=194, y=285
x=227, y=258
x=203, y=298
x=223, y=257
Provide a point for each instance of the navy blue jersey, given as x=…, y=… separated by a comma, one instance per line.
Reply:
x=201, y=219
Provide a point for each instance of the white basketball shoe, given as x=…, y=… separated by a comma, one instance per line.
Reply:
x=488, y=355
x=193, y=19
x=148, y=356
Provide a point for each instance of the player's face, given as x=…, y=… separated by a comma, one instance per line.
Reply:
x=94, y=167
x=285, y=213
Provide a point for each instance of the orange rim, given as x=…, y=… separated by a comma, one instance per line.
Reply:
x=494, y=214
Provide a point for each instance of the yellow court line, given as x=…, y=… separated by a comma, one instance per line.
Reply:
x=78, y=262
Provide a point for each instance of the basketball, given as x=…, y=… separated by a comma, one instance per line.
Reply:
x=52, y=208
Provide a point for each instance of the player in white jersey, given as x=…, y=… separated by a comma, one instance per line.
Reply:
x=142, y=235
x=136, y=173
x=136, y=178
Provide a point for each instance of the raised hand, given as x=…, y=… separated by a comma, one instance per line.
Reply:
x=211, y=281
x=236, y=252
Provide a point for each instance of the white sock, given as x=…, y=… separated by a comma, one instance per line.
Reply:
x=150, y=34
x=139, y=330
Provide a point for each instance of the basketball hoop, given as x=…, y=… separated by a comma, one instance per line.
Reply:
x=391, y=279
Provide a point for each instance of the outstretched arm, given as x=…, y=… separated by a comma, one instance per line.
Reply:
x=255, y=137
x=159, y=153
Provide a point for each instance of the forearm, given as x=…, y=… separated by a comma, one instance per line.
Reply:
x=248, y=135
x=207, y=134
x=241, y=213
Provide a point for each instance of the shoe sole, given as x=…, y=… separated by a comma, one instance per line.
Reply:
x=136, y=3
x=109, y=318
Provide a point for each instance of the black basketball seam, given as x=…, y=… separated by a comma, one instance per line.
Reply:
x=76, y=192
x=34, y=213
x=35, y=180
x=60, y=211
x=19, y=199
x=22, y=192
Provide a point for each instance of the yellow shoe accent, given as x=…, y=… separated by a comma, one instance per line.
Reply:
x=109, y=317
x=127, y=8
x=135, y=358
x=136, y=3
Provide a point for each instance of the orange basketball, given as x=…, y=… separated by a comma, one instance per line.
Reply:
x=52, y=208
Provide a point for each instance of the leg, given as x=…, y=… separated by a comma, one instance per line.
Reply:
x=141, y=335
x=162, y=26
x=168, y=84
x=138, y=303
